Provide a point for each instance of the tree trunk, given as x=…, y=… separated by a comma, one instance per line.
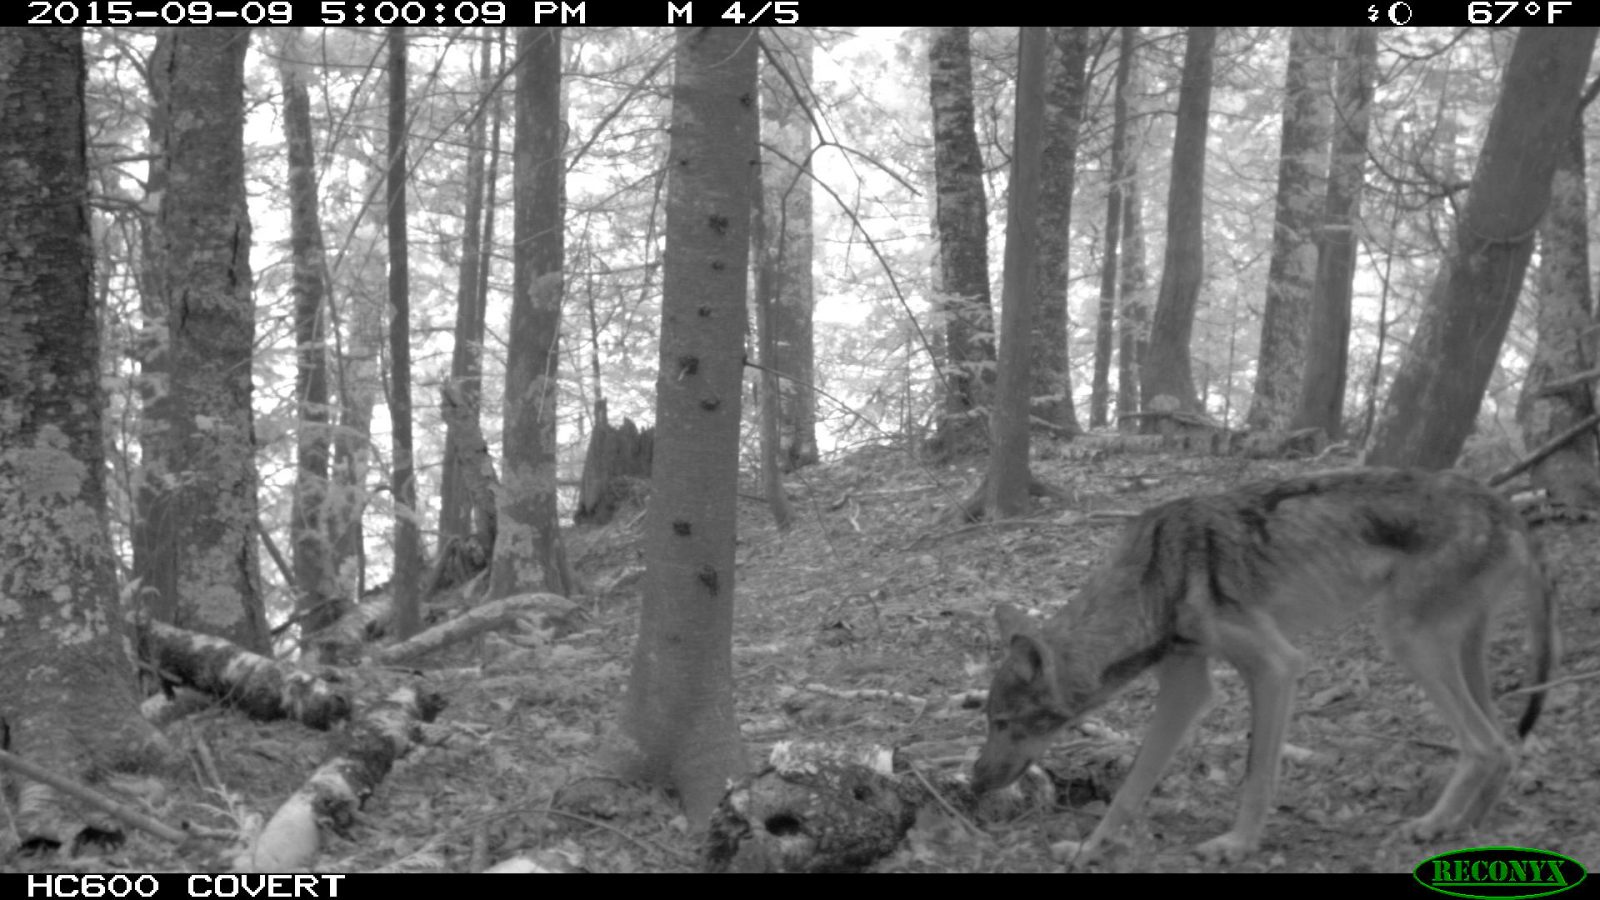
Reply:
x=768, y=277
x=679, y=715
x=1291, y=274
x=1133, y=330
x=961, y=220
x=314, y=588
x=1051, y=375
x=1566, y=337
x=485, y=509
x=359, y=338
x=66, y=688
x=1110, y=283
x=479, y=484
x=155, y=540
x=786, y=246
x=352, y=442
x=528, y=553
x=1434, y=401
x=202, y=230
x=1009, y=476
x=407, y=584
x=1168, y=373
x=1321, y=402
x=466, y=360
x=1133, y=311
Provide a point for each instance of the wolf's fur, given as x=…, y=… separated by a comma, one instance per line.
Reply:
x=1234, y=575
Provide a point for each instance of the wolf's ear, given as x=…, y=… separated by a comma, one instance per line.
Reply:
x=1031, y=660
x=1011, y=621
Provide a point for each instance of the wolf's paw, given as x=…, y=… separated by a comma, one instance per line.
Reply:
x=1422, y=830
x=1226, y=848
x=1075, y=852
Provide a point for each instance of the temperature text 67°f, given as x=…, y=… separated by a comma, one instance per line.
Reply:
x=1496, y=12
x=773, y=12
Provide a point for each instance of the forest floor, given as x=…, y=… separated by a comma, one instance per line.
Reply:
x=870, y=591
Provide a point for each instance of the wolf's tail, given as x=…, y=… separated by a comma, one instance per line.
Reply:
x=1543, y=646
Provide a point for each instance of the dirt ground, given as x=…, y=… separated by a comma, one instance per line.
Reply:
x=870, y=591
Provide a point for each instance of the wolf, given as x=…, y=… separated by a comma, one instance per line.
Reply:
x=1236, y=575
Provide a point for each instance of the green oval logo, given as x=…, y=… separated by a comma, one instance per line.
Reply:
x=1499, y=873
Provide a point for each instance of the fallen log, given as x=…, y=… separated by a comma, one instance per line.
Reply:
x=262, y=688
x=379, y=735
x=488, y=617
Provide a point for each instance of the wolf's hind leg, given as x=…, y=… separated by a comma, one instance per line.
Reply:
x=1446, y=657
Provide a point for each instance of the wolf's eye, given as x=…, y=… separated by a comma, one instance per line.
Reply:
x=999, y=724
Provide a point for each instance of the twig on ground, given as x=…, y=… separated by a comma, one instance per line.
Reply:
x=99, y=801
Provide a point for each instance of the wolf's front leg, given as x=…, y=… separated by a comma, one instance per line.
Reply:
x=1184, y=693
x=1271, y=667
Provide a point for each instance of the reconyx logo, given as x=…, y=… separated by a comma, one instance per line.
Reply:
x=1499, y=873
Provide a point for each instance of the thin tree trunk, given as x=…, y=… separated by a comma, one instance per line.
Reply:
x=1133, y=310
x=406, y=586
x=786, y=194
x=1169, y=369
x=352, y=444
x=155, y=538
x=1328, y=340
x=1110, y=280
x=313, y=584
x=1134, y=329
x=961, y=219
x=767, y=279
x=359, y=381
x=486, y=515
x=1009, y=476
x=466, y=360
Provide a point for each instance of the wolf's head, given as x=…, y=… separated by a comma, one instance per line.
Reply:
x=1026, y=707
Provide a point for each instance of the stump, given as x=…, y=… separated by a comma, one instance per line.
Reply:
x=617, y=460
